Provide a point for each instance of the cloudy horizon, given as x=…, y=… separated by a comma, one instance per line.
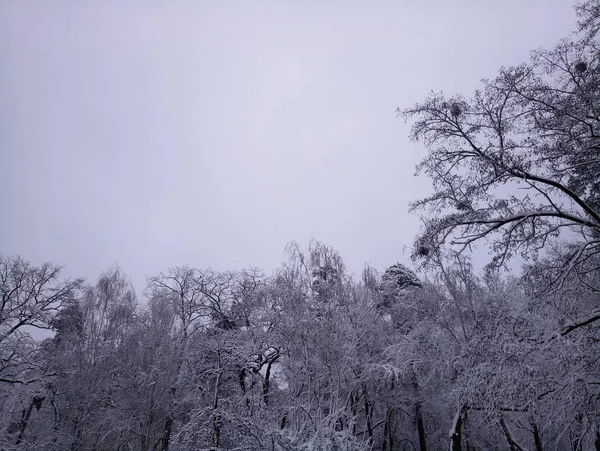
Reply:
x=153, y=134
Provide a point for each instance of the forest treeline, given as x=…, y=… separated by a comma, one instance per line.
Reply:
x=440, y=356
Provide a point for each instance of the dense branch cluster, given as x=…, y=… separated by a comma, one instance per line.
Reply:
x=518, y=163
x=242, y=360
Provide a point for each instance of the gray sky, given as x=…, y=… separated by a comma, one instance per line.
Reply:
x=211, y=133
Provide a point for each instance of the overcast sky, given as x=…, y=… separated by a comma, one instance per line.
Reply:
x=211, y=133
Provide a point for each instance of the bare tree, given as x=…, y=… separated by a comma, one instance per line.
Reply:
x=29, y=299
x=517, y=163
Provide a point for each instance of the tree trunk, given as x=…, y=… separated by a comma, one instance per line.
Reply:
x=217, y=423
x=266, y=381
x=456, y=431
x=23, y=423
x=353, y=410
x=420, y=427
x=35, y=402
x=512, y=444
x=368, y=412
x=537, y=439
x=388, y=440
x=166, y=438
x=57, y=420
x=145, y=437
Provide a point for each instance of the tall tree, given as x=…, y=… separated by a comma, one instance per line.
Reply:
x=517, y=163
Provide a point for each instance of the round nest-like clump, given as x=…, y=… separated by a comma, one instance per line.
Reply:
x=455, y=110
x=463, y=205
x=581, y=67
x=422, y=250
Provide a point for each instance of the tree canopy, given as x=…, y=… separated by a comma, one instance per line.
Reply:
x=517, y=163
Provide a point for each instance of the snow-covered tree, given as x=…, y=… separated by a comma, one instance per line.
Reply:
x=517, y=164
